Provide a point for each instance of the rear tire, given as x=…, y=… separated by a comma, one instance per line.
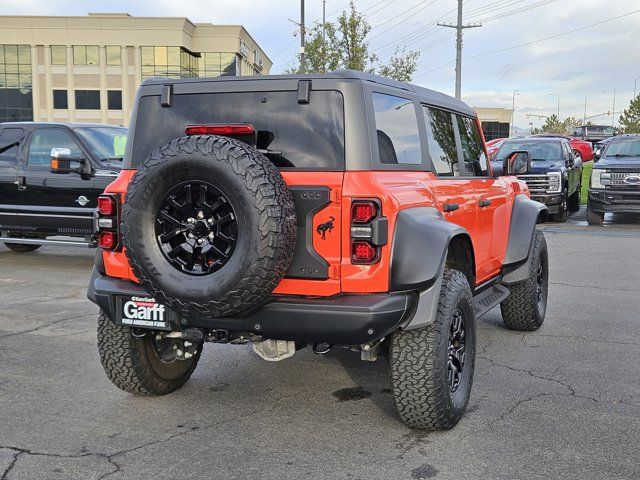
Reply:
x=574, y=200
x=424, y=361
x=22, y=247
x=593, y=217
x=133, y=365
x=525, y=308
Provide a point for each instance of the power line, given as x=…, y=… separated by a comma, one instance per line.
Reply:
x=399, y=15
x=533, y=41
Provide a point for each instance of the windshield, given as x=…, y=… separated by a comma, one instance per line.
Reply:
x=539, y=151
x=624, y=148
x=600, y=130
x=105, y=142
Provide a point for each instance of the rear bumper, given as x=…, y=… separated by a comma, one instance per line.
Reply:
x=614, y=201
x=339, y=320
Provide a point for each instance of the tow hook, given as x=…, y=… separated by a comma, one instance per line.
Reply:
x=369, y=351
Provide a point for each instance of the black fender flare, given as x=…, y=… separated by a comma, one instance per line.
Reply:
x=420, y=243
x=524, y=217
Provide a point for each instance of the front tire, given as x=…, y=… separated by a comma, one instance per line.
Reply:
x=22, y=247
x=561, y=216
x=133, y=363
x=432, y=367
x=525, y=308
x=593, y=217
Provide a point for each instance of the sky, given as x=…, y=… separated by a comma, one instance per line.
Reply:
x=564, y=47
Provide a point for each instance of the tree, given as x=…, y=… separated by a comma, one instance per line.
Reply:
x=345, y=45
x=630, y=118
x=553, y=125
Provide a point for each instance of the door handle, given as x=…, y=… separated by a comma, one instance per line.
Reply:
x=450, y=207
x=20, y=182
x=484, y=202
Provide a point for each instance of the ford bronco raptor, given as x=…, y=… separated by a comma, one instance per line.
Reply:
x=341, y=209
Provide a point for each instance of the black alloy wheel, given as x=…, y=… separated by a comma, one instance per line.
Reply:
x=541, y=288
x=196, y=228
x=456, y=351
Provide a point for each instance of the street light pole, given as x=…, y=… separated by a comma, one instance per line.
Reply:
x=558, y=96
x=586, y=95
x=513, y=110
x=635, y=87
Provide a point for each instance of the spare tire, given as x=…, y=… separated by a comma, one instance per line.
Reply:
x=209, y=226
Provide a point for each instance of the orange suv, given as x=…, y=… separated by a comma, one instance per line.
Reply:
x=342, y=209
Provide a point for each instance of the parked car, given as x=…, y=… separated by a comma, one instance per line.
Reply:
x=556, y=175
x=599, y=148
x=312, y=210
x=582, y=150
x=36, y=202
x=615, y=180
x=493, y=146
x=594, y=133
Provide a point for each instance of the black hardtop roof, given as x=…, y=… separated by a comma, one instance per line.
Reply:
x=57, y=124
x=425, y=94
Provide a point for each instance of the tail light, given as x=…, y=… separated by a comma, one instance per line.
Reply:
x=107, y=222
x=369, y=231
x=220, y=129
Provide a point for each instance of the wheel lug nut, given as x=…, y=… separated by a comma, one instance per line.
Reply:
x=210, y=221
x=211, y=235
x=190, y=220
x=190, y=235
x=200, y=241
x=200, y=214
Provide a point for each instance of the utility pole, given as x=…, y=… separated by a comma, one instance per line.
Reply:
x=459, y=28
x=558, y=96
x=324, y=40
x=613, y=111
x=303, y=64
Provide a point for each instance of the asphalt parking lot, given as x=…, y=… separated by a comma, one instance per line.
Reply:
x=563, y=402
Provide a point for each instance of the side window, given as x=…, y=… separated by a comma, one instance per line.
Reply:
x=44, y=140
x=475, y=161
x=397, y=130
x=441, y=140
x=9, y=141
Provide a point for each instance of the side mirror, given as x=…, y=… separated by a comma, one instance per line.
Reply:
x=517, y=163
x=63, y=162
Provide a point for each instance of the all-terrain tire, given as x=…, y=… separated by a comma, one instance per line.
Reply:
x=593, y=217
x=525, y=308
x=264, y=214
x=21, y=247
x=573, y=204
x=561, y=216
x=132, y=364
x=419, y=361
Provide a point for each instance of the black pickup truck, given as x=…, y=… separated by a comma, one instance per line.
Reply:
x=50, y=177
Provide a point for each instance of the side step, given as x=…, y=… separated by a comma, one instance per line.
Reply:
x=44, y=241
x=489, y=298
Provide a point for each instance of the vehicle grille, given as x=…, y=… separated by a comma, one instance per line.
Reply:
x=536, y=183
x=618, y=181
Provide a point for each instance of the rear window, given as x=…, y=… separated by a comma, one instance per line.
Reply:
x=397, y=130
x=292, y=135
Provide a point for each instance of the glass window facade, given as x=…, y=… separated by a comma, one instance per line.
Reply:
x=177, y=62
x=58, y=55
x=215, y=64
x=16, y=102
x=85, y=55
x=87, y=99
x=173, y=62
x=113, y=54
x=114, y=99
x=60, y=100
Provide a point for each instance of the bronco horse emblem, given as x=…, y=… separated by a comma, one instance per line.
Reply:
x=325, y=227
